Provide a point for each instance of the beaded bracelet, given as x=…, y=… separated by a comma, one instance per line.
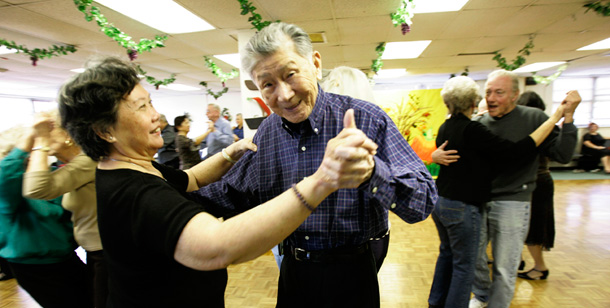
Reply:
x=227, y=157
x=303, y=201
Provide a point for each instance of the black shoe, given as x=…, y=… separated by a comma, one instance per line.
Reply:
x=522, y=265
x=525, y=275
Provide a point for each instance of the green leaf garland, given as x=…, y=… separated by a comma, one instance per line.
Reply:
x=517, y=62
x=114, y=33
x=218, y=72
x=602, y=9
x=377, y=64
x=218, y=94
x=546, y=80
x=256, y=20
x=153, y=81
x=403, y=16
x=39, y=53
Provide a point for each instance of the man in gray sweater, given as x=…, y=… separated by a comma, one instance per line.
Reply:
x=505, y=219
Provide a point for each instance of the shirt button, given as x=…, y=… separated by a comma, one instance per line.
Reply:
x=393, y=205
x=315, y=130
x=307, y=237
x=374, y=190
x=303, y=149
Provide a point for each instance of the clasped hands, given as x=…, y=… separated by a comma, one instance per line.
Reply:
x=43, y=125
x=348, y=159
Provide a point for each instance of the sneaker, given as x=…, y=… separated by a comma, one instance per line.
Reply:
x=596, y=170
x=578, y=170
x=475, y=303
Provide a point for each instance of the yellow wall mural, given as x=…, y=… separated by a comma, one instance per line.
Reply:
x=418, y=115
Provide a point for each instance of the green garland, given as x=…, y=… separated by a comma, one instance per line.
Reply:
x=377, y=64
x=218, y=94
x=519, y=61
x=226, y=114
x=153, y=81
x=546, y=80
x=114, y=33
x=38, y=53
x=403, y=15
x=218, y=72
x=464, y=73
x=597, y=6
x=256, y=20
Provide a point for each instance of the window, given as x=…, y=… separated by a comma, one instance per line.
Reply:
x=595, y=93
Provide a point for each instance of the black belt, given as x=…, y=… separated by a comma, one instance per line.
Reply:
x=328, y=255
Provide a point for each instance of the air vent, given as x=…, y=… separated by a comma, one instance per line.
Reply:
x=477, y=53
x=317, y=38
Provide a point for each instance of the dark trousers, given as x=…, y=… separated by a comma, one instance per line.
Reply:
x=96, y=266
x=5, y=270
x=380, y=249
x=59, y=285
x=347, y=283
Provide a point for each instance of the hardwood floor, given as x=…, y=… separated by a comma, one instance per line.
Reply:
x=579, y=263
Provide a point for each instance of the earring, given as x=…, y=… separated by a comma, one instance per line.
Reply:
x=68, y=142
x=111, y=138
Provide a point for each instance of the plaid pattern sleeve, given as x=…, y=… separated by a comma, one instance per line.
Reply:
x=286, y=155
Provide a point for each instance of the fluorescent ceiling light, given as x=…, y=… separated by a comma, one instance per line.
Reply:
x=232, y=58
x=435, y=6
x=535, y=67
x=164, y=15
x=5, y=50
x=78, y=70
x=391, y=73
x=603, y=44
x=15, y=86
x=180, y=87
x=404, y=50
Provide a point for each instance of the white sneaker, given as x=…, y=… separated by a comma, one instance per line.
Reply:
x=578, y=170
x=475, y=303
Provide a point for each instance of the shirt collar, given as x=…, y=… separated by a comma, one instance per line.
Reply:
x=315, y=119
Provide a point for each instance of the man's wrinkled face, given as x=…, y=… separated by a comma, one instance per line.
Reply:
x=500, y=97
x=288, y=82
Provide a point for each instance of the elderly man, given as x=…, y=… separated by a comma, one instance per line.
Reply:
x=219, y=134
x=168, y=155
x=505, y=219
x=327, y=260
x=238, y=130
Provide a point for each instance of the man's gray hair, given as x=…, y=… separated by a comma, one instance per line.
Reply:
x=460, y=93
x=215, y=106
x=504, y=73
x=267, y=41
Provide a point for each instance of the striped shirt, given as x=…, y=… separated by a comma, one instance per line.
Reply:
x=400, y=181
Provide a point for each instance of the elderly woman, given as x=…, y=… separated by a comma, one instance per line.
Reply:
x=76, y=182
x=594, y=150
x=162, y=249
x=464, y=186
x=188, y=150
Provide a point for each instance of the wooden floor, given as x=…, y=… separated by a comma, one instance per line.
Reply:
x=579, y=264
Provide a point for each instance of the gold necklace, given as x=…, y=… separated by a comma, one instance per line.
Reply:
x=125, y=161
x=155, y=172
